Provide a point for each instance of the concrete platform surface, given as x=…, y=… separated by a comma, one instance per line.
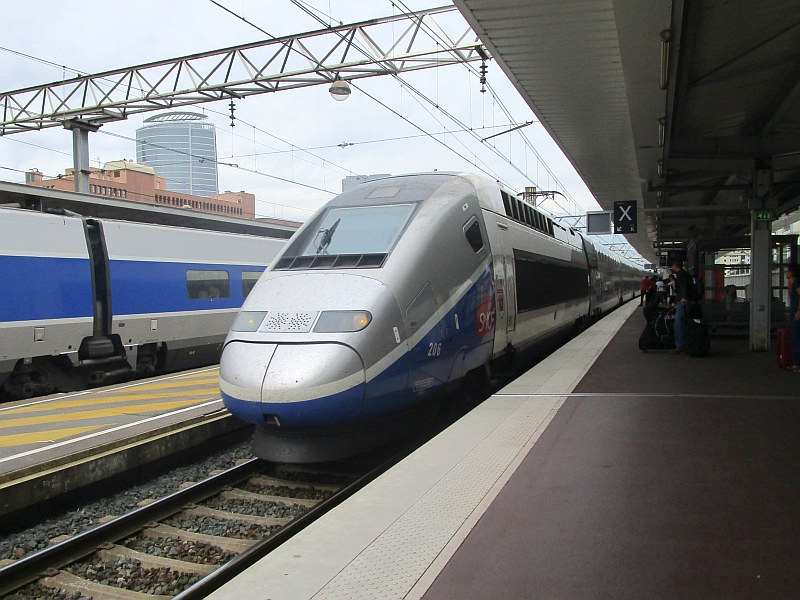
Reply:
x=391, y=539
x=41, y=429
x=660, y=477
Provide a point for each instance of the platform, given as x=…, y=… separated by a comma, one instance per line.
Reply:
x=40, y=428
x=60, y=443
x=603, y=472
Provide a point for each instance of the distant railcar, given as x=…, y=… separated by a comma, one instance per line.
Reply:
x=93, y=301
x=394, y=291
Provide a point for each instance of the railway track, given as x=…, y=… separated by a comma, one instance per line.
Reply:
x=191, y=541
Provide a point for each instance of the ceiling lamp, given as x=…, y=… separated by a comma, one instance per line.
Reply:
x=340, y=90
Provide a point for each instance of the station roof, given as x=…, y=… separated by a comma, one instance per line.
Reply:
x=126, y=210
x=686, y=144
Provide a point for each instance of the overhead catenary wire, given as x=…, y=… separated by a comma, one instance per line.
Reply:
x=225, y=164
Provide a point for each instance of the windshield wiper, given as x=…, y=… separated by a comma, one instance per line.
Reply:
x=327, y=237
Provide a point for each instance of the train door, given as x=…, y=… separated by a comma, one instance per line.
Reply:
x=494, y=230
x=509, y=282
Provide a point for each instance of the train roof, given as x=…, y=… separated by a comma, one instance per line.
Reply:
x=28, y=196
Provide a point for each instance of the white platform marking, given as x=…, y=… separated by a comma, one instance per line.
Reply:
x=392, y=538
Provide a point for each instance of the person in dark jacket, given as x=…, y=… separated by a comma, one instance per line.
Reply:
x=793, y=271
x=683, y=292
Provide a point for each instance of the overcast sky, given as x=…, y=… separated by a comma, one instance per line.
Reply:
x=93, y=36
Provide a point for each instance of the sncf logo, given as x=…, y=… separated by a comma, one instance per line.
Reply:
x=485, y=316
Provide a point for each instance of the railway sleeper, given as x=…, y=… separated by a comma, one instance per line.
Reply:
x=237, y=494
x=67, y=582
x=109, y=552
x=160, y=531
x=264, y=480
x=205, y=511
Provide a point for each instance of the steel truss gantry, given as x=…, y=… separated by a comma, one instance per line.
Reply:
x=354, y=51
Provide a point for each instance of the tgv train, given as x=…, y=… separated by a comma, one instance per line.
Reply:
x=89, y=301
x=394, y=290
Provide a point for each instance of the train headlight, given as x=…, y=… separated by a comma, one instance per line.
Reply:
x=248, y=320
x=342, y=321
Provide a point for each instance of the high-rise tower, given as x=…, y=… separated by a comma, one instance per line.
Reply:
x=182, y=149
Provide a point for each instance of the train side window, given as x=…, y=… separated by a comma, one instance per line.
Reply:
x=473, y=234
x=207, y=284
x=249, y=279
x=506, y=204
x=528, y=215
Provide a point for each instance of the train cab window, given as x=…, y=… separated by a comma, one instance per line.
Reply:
x=249, y=279
x=207, y=284
x=472, y=231
x=359, y=230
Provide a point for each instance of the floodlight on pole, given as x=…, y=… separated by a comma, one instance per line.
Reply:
x=340, y=90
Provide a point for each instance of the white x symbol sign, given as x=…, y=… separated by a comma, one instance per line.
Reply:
x=624, y=213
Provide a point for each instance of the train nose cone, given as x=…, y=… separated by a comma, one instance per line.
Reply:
x=303, y=385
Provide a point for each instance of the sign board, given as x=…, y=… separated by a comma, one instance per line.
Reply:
x=662, y=260
x=763, y=215
x=598, y=223
x=625, y=217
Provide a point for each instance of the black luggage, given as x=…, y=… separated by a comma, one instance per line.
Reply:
x=698, y=341
x=659, y=333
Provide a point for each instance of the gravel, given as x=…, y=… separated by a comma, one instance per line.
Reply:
x=186, y=550
x=128, y=573
x=22, y=543
x=309, y=493
x=34, y=591
x=231, y=528
x=320, y=478
x=260, y=509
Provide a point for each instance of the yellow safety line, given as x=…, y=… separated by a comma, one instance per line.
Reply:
x=98, y=414
x=92, y=401
x=168, y=384
x=51, y=435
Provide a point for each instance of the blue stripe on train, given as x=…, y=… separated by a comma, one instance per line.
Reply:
x=462, y=349
x=139, y=287
x=37, y=288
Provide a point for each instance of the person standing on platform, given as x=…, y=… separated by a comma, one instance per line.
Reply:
x=660, y=292
x=793, y=271
x=671, y=289
x=646, y=285
x=683, y=291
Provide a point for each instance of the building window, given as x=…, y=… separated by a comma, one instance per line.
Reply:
x=116, y=173
x=207, y=284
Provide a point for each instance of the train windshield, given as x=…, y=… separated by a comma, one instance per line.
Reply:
x=358, y=230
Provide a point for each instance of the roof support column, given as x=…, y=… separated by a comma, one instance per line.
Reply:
x=80, y=152
x=761, y=299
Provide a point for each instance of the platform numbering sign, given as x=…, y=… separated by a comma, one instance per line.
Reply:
x=625, y=217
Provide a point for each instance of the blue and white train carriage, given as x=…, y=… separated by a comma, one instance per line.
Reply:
x=393, y=290
x=90, y=301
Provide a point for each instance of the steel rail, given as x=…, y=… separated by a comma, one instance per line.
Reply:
x=249, y=557
x=30, y=568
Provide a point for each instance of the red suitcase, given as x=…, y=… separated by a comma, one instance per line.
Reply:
x=785, y=354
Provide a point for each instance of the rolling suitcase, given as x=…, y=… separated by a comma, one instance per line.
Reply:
x=698, y=340
x=785, y=353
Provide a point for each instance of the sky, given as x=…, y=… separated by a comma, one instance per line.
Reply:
x=293, y=135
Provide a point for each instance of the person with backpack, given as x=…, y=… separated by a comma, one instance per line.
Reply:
x=684, y=292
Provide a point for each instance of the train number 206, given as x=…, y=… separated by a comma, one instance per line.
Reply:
x=434, y=349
